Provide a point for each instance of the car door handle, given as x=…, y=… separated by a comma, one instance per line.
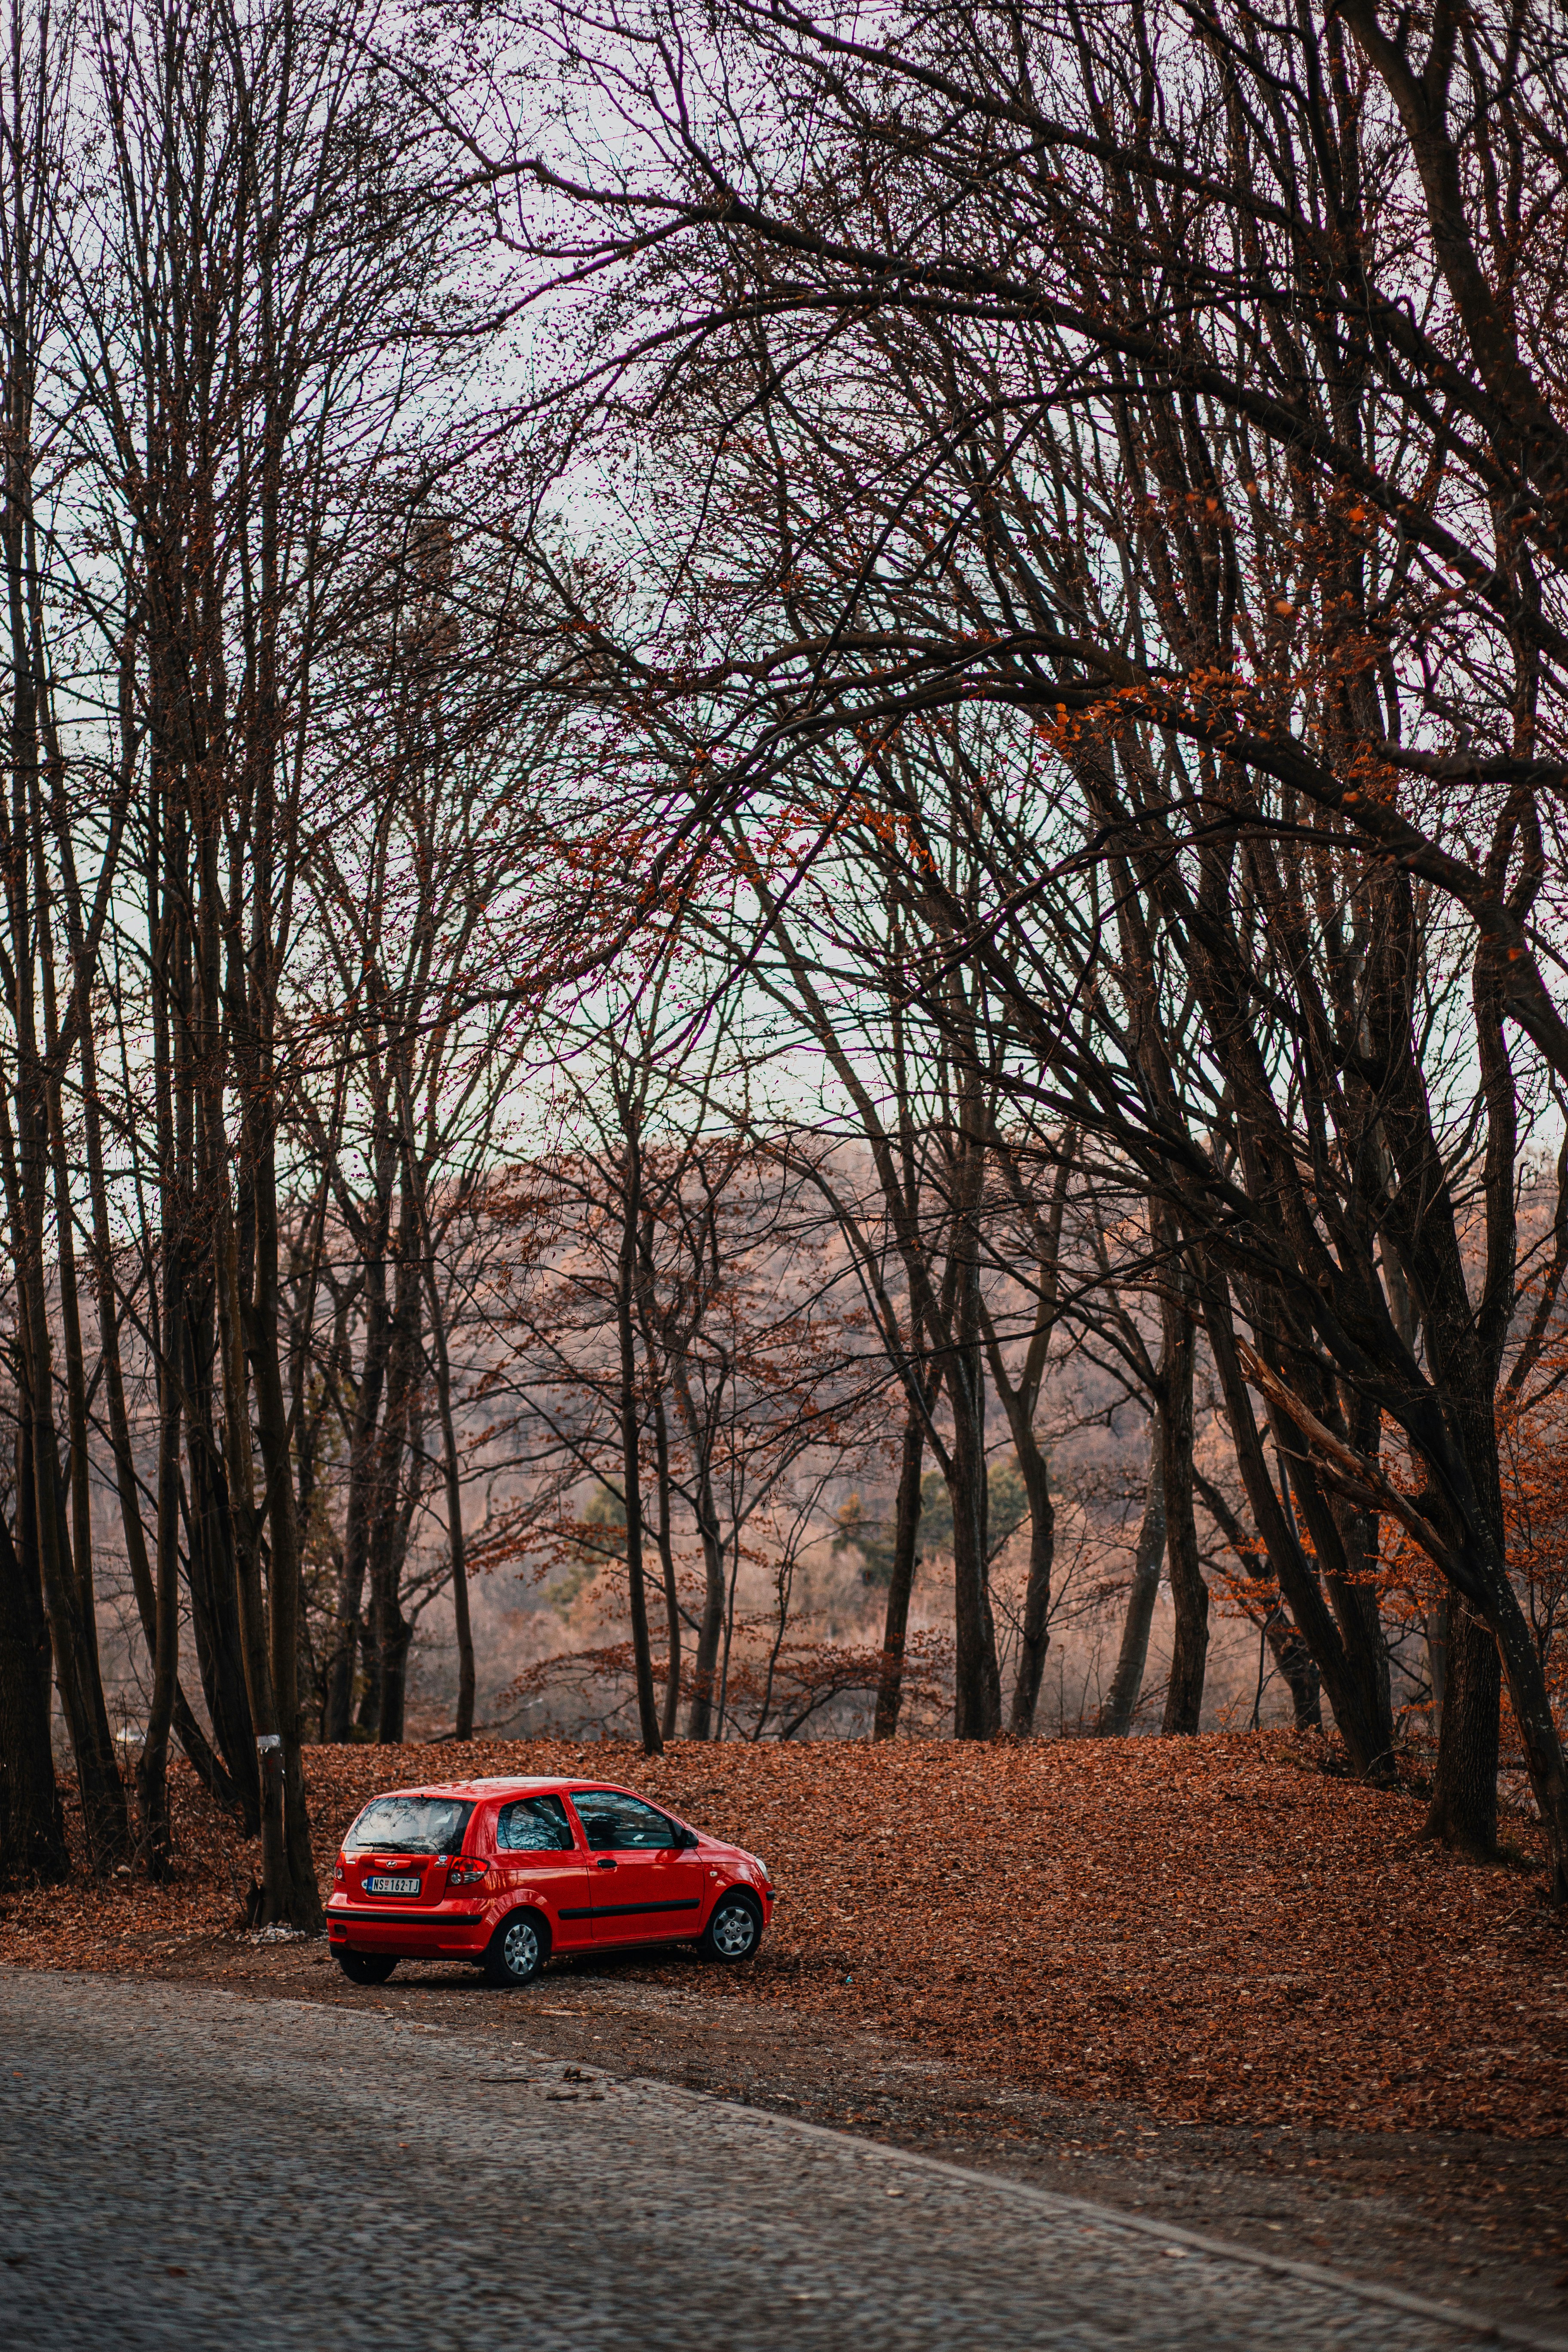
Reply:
x=607, y=1862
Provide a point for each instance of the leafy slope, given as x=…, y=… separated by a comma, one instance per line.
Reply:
x=1211, y=1929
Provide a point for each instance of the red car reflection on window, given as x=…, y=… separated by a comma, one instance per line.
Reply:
x=506, y=1873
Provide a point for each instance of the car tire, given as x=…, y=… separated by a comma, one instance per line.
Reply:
x=364, y=1968
x=734, y=1927
x=517, y=1950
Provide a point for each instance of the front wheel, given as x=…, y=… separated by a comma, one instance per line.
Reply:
x=735, y=1928
x=364, y=1968
x=516, y=1951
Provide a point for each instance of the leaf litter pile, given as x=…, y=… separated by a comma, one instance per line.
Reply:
x=1213, y=1929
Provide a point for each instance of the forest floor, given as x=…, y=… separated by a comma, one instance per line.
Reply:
x=1207, y=1979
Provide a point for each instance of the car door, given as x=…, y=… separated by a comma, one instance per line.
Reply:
x=646, y=1886
x=537, y=1859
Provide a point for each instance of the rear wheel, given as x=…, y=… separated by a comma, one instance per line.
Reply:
x=517, y=1950
x=735, y=1928
x=364, y=1968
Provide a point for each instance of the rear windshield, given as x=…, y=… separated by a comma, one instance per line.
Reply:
x=410, y=1826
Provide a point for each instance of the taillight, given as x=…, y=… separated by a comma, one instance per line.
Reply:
x=337, y=1872
x=465, y=1874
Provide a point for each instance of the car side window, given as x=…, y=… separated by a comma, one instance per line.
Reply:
x=613, y=1821
x=533, y=1825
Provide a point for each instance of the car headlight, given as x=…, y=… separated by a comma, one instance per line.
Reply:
x=758, y=1864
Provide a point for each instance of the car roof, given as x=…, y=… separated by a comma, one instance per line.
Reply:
x=524, y=1783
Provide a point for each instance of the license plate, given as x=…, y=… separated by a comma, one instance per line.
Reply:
x=392, y=1887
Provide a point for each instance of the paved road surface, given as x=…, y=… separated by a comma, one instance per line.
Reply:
x=181, y=2169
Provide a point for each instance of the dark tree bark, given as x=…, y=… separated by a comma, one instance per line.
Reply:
x=1020, y=1402
x=363, y=1483
x=209, y=1554
x=977, y=1679
x=1301, y=1675
x=700, y=1719
x=386, y=1658
x=1463, y=1812
x=663, y=1539
x=1034, y=1627
x=1365, y=1742
x=630, y=1409
x=900, y=1582
x=32, y=1824
x=1116, y=1717
x=1189, y=1593
x=452, y=1476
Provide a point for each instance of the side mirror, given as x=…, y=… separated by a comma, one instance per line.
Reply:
x=685, y=1840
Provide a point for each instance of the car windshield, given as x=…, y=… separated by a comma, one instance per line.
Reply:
x=410, y=1826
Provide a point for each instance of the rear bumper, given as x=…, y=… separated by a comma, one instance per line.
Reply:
x=436, y=1933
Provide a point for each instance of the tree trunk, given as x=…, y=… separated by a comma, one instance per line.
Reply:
x=977, y=1678
x=699, y=1718
x=363, y=1485
x=1364, y=1660
x=451, y=1468
x=157, y=1605
x=301, y=1896
x=244, y=1522
x=214, y=1603
x=151, y=1772
x=1120, y=1706
x=1463, y=1812
x=1035, y=1636
x=32, y=1825
x=667, y=1713
x=382, y=1713
x=1300, y=1673
x=105, y=1819
x=900, y=1583
x=1292, y=1571
x=1438, y=1619
x=1189, y=1593
x=631, y=1449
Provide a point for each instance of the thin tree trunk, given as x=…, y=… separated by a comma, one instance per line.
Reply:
x=900, y=1582
x=364, y=1475
x=667, y=1565
x=239, y=1465
x=977, y=1678
x=153, y=1789
x=1120, y=1706
x=451, y=1467
x=710, y=1627
x=1035, y=1635
x=302, y=1896
x=631, y=1445
x=1292, y=1571
x=386, y=1677
x=1355, y=1613
x=105, y=1819
x=209, y=1554
x=1189, y=1593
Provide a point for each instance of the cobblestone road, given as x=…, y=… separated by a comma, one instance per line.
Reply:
x=184, y=2169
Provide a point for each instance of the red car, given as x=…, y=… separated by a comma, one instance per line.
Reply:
x=506, y=1873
